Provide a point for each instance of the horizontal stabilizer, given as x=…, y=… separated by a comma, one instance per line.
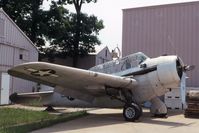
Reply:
x=29, y=98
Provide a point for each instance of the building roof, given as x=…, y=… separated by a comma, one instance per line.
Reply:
x=98, y=49
x=161, y=5
x=1, y=10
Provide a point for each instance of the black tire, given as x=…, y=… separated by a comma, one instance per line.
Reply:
x=132, y=112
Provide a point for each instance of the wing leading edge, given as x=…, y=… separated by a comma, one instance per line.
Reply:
x=84, y=82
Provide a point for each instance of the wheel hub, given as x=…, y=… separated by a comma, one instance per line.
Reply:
x=130, y=112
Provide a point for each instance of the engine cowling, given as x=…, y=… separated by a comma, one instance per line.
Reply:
x=170, y=72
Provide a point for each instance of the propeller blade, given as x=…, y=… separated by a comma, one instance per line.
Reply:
x=183, y=89
x=189, y=67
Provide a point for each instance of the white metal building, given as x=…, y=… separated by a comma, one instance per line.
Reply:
x=15, y=48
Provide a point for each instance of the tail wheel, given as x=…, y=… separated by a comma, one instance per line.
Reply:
x=132, y=112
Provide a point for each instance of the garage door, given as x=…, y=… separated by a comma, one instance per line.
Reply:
x=5, y=87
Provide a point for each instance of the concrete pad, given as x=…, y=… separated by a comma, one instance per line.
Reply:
x=112, y=121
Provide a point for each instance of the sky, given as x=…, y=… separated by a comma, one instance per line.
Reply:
x=110, y=11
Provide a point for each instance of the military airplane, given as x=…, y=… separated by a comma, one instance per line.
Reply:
x=126, y=82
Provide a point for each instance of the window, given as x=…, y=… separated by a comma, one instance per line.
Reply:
x=21, y=56
x=2, y=27
x=106, y=53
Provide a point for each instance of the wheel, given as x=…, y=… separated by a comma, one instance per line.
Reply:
x=132, y=112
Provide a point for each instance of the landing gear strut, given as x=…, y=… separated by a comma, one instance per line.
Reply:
x=131, y=110
x=158, y=108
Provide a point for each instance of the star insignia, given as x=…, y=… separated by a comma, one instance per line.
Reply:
x=42, y=72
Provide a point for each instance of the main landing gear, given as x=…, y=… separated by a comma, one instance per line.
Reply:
x=131, y=110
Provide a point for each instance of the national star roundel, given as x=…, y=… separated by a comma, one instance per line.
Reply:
x=43, y=72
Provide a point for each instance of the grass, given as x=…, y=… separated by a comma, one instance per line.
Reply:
x=21, y=120
x=9, y=116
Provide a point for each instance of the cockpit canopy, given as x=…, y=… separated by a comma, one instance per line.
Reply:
x=140, y=56
x=130, y=61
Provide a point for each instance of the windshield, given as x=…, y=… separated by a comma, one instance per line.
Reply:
x=141, y=56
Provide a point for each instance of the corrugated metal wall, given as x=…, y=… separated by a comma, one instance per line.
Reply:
x=13, y=42
x=165, y=29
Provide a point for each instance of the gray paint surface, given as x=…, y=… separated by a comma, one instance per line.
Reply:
x=164, y=29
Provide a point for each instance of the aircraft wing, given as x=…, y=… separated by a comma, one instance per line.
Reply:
x=78, y=83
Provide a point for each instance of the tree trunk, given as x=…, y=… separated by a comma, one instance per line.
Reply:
x=35, y=9
x=77, y=5
x=76, y=43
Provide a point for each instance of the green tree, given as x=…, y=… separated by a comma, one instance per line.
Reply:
x=56, y=31
x=69, y=34
x=81, y=36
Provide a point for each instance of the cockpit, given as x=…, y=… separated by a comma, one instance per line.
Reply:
x=130, y=61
